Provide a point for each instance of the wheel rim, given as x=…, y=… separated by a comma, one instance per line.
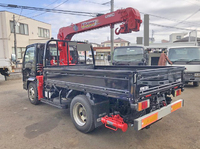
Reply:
x=79, y=114
x=31, y=94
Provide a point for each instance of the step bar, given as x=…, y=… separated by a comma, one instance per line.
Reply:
x=55, y=103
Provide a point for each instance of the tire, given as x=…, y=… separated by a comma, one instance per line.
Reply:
x=195, y=83
x=5, y=78
x=32, y=93
x=81, y=114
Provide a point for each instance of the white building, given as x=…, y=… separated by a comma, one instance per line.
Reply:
x=28, y=31
x=117, y=43
x=176, y=36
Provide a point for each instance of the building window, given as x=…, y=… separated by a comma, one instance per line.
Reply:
x=108, y=45
x=20, y=52
x=20, y=28
x=178, y=37
x=43, y=32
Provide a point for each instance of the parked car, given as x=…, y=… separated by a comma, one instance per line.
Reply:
x=81, y=59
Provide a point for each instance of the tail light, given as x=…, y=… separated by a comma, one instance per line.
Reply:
x=143, y=105
x=177, y=92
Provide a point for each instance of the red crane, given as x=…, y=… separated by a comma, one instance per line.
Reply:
x=129, y=17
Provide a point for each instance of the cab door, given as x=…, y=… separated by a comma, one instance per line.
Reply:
x=29, y=65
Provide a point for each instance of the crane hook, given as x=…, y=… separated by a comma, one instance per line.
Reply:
x=117, y=32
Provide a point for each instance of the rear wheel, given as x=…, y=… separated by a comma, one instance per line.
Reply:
x=32, y=93
x=81, y=114
x=195, y=83
x=5, y=78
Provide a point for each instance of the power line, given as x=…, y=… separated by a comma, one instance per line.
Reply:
x=96, y=2
x=172, y=27
x=102, y=4
x=181, y=21
x=52, y=3
x=46, y=6
x=188, y=17
x=61, y=3
x=50, y=10
x=174, y=20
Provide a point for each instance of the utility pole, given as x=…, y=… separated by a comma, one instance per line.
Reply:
x=152, y=39
x=111, y=32
x=146, y=30
x=15, y=41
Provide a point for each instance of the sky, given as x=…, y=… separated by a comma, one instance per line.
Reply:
x=182, y=14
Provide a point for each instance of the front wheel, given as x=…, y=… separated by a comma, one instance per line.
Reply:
x=81, y=114
x=32, y=93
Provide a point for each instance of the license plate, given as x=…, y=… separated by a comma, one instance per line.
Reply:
x=177, y=92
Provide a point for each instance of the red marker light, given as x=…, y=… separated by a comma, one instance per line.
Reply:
x=176, y=87
x=148, y=95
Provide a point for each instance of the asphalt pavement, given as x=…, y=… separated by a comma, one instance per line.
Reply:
x=26, y=126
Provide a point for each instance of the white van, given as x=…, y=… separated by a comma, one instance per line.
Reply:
x=188, y=56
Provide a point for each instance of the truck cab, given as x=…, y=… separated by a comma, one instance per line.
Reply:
x=33, y=60
x=189, y=57
x=130, y=55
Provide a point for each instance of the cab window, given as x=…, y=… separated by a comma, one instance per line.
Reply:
x=29, y=58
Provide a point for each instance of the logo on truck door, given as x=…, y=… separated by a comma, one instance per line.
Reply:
x=89, y=24
x=75, y=28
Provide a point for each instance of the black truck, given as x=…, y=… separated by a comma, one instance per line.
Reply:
x=130, y=55
x=114, y=96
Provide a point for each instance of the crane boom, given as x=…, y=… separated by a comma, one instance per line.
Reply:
x=129, y=17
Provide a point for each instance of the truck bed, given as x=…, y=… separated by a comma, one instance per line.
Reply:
x=122, y=82
x=5, y=63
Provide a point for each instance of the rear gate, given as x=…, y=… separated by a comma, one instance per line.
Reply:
x=156, y=80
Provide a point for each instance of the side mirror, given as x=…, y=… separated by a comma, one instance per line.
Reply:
x=13, y=57
x=109, y=57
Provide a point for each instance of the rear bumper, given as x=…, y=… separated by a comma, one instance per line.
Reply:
x=191, y=78
x=152, y=117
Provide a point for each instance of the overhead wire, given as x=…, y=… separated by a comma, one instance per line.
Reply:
x=175, y=20
x=89, y=14
x=95, y=2
x=102, y=4
x=45, y=6
x=52, y=8
x=188, y=17
x=172, y=27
